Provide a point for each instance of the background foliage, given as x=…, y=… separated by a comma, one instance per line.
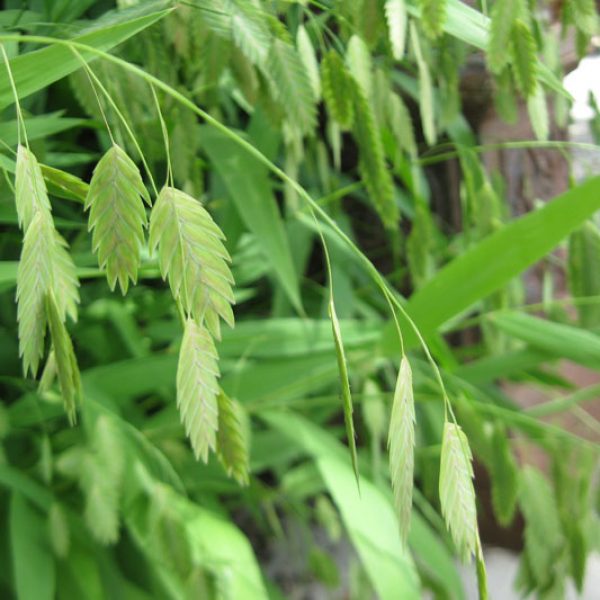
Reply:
x=305, y=130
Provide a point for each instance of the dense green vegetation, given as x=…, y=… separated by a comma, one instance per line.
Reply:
x=229, y=309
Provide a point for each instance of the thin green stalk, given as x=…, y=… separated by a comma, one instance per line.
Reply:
x=121, y=117
x=425, y=160
x=20, y=119
x=165, y=134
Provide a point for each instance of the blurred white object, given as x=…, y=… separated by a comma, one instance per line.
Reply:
x=580, y=82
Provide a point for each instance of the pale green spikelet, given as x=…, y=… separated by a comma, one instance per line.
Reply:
x=308, y=57
x=457, y=494
x=192, y=256
x=337, y=89
x=504, y=476
x=543, y=532
x=433, y=17
x=34, y=281
x=58, y=530
x=117, y=216
x=250, y=32
x=504, y=13
x=232, y=443
x=523, y=58
x=584, y=271
x=67, y=370
x=585, y=16
x=291, y=85
x=30, y=190
x=372, y=166
x=48, y=374
x=360, y=64
x=397, y=21
x=426, y=101
x=65, y=285
x=538, y=113
x=198, y=388
x=101, y=476
x=401, y=441
x=401, y=124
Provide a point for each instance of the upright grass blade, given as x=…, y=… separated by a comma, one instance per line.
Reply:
x=494, y=261
x=31, y=551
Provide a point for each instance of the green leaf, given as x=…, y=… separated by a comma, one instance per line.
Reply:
x=192, y=256
x=33, y=564
x=217, y=545
x=291, y=85
x=345, y=384
x=434, y=558
x=457, y=494
x=232, y=442
x=39, y=127
x=495, y=260
x=250, y=190
x=369, y=517
x=401, y=441
x=38, y=69
x=557, y=339
x=198, y=389
x=65, y=185
x=117, y=217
